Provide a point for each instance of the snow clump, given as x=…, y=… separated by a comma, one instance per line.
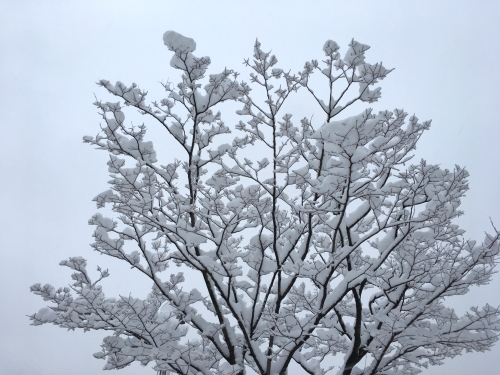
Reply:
x=177, y=42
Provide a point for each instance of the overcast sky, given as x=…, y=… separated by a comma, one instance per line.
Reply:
x=446, y=55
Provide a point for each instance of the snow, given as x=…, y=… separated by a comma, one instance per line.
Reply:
x=45, y=314
x=290, y=250
x=177, y=42
x=355, y=55
x=330, y=47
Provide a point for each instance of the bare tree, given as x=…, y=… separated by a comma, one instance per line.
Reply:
x=329, y=244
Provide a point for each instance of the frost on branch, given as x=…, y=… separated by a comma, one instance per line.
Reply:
x=311, y=241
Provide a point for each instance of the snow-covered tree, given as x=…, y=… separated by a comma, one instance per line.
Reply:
x=329, y=244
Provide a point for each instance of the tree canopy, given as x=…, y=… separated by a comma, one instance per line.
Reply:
x=307, y=242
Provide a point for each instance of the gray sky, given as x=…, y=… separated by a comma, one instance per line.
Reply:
x=446, y=56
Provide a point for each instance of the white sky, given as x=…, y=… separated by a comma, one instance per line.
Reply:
x=446, y=56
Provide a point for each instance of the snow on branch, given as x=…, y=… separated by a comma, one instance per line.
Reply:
x=309, y=241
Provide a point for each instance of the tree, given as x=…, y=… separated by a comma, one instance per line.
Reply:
x=331, y=245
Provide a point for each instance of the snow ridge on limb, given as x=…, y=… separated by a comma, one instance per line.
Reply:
x=329, y=243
